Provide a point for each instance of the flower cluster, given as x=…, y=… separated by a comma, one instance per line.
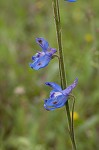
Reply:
x=58, y=97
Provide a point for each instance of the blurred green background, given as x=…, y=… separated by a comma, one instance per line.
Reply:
x=24, y=123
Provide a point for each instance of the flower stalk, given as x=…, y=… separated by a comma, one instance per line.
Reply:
x=61, y=64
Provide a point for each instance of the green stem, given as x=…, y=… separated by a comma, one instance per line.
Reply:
x=58, y=30
x=61, y=65
x=72, y=124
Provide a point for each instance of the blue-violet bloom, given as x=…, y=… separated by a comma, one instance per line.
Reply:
x=71, y=0
x=58, y=97
x=42, y=59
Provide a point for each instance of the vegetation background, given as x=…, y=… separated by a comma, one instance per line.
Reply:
x=24, y=123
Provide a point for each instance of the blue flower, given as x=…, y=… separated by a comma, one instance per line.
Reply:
x=71, y=0
x=42, y=59
x=58, y=97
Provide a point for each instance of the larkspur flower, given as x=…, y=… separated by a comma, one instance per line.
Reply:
x=71, y=0
x=58, y=97
x=42, y=59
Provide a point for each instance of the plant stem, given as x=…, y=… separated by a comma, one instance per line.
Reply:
x=61, y=62
x=72, y=122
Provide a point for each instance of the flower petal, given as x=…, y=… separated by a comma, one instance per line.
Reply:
x=40, y=63
x=37, y=55
x=52, y=93
x=43, y=43
x=53, y=103
x=68, y=90
x=54, y=86
x=47, y=108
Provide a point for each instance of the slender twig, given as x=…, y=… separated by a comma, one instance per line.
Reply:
x=61, y=64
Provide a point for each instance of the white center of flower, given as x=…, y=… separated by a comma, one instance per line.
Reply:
x=57, y=94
